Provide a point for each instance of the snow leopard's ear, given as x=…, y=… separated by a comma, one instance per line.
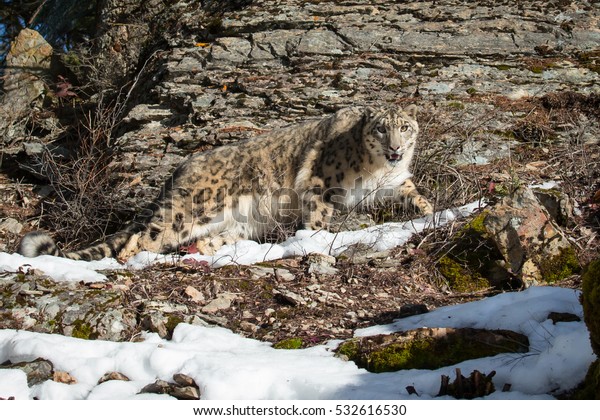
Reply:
x=369, y=113
x=411, y=111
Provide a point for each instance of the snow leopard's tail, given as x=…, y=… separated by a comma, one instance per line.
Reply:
x=40, y=243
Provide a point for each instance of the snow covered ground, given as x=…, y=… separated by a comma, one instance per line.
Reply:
x=228, y=366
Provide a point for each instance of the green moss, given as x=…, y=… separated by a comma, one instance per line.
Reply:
x=172, y=322
x=289, y=344
x=590, y=388
x=349, y=349
x=503, y=67
x=591, y=302
x=590, y=297
x=471, y=91
x=476, y=225
x=82, y=329
x=537, y=69
x=390, y=353
x=456, y=105
x=590, y=60
x=71, y=60
x=559, y=267
x=52, y=325
x=267, y=292
x=245, y=285
x=460, y=277
x=471, y=260
x=505, y=134
x=417, y=355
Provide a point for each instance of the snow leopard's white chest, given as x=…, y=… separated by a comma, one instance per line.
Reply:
x=370, y=187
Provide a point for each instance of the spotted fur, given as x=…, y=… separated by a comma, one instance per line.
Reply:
x=292, y=177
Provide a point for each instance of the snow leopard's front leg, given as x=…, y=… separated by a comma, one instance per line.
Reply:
x=409, y=192
x=316, y=211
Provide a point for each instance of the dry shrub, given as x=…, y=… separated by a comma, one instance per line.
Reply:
x=82, y=206
x=443, y=137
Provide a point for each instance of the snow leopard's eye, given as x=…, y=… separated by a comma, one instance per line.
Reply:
x=381, y=129
x=404, y=127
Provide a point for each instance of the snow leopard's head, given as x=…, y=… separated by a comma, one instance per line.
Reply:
x=391, y=132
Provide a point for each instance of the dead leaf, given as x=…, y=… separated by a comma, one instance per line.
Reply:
x=135, y=181
x=201, y=265
x=113, y=376
x=195, y=295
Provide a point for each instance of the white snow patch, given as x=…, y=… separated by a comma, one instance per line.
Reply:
x=228, y=366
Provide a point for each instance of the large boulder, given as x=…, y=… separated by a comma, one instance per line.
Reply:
x=27, y=62
x=513, y=243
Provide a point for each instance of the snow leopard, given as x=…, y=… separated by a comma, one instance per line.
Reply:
x=295, y=176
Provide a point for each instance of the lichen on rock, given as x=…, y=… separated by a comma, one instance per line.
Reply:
x=36, y=303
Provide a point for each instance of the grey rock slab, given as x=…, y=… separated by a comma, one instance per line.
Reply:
x=232, y=50
x=147, y=113
x=321, y=42
x=37, y=371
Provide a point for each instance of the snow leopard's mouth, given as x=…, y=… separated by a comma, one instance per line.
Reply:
x=393, y=157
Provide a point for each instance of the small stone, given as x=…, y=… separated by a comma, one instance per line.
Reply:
x=63, y=377
x=184, y=380
x=112, y=376
x=413, y=309
x=11, y=225
x=158, y=387
x=288, y=297
x=321, y=264
x=323, y=42
x=563, y=317
x=155, y=322
x=248, y=327
x=260, y=272
x=185, y=393
x=147, y=113
x=283, y=274
x=221, y=302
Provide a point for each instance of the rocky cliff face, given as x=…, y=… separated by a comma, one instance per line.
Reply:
x=227, y=77
x=207, y=76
